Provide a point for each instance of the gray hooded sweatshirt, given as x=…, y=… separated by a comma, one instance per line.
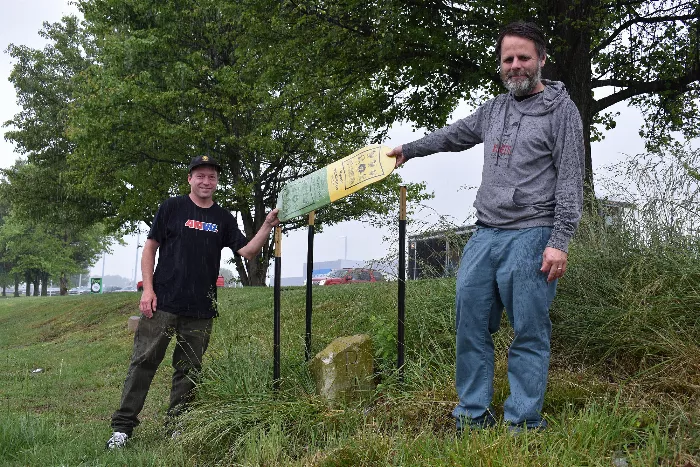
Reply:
x=533, y=160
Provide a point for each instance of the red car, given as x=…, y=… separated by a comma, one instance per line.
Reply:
x=220, y=282
x=351, y=275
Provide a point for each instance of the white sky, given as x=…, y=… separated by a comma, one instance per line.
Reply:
x=444, y=174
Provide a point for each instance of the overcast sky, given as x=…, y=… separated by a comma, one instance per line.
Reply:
x=447, y=175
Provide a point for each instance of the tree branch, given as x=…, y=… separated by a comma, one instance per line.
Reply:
x=635, y=88
x=324, y=16
x=644, y=19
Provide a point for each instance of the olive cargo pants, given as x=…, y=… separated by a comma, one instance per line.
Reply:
x=150, y=344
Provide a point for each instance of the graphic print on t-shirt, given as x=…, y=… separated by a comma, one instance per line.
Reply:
x=205, y=226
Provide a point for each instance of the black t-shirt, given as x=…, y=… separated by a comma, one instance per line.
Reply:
x=191, y=239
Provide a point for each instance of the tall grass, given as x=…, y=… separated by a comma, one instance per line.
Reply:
x=632, y=294
x=595, y=415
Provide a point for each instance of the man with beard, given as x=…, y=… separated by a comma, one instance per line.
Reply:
x=528, y=207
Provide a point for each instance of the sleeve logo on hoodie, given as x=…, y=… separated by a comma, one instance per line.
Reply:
x=205, y=226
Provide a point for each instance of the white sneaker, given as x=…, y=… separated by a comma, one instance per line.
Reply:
x=118, y=440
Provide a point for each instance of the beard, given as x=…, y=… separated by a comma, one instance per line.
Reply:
x=522, y=87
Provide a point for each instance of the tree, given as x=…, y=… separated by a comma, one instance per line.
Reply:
x=177, y=79
x=38, y=251
x=427, y=56
x=28, y=250
x=229, y=276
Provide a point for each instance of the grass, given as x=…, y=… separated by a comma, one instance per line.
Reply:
x=624, y=382
x=62, y=363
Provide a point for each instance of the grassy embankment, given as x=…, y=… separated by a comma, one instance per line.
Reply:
x=624, y=382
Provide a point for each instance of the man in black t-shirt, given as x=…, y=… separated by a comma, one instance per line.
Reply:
x=179, y=299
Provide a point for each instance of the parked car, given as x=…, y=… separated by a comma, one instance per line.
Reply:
x=315, y=280
x=351, y=275
x=220, y=282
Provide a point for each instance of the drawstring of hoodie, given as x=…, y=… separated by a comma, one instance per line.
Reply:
x=503, y=130
x=514, y=139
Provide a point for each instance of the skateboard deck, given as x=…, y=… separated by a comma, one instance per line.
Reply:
x=334, y=181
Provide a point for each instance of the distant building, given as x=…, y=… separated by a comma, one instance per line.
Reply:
x=436, y=253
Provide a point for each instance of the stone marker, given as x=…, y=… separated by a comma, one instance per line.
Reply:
x=133, y=323
x=343, y=370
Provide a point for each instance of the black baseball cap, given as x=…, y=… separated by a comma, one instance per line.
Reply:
x=204, y=160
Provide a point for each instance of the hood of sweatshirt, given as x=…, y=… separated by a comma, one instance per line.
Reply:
x=553, y=95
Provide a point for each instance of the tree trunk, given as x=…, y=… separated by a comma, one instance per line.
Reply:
x=44, y=284
x=252, y=273
x=572, y=66
x=241, y=270
x=63, y=284
x=36, y=285
x=257, y=271
x=16, y=294
x=27, y=284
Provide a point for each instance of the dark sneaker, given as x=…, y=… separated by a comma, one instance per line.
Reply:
x=173, y=427
x=118, y=440
x=517, y=429
x=484, y=422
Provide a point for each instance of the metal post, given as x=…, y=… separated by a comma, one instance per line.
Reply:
x=102, y=288
x=402, y=283
x=276, y=331
x=309, y=284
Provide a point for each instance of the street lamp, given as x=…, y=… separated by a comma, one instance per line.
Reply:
x=136, y=264
x=346, y=246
